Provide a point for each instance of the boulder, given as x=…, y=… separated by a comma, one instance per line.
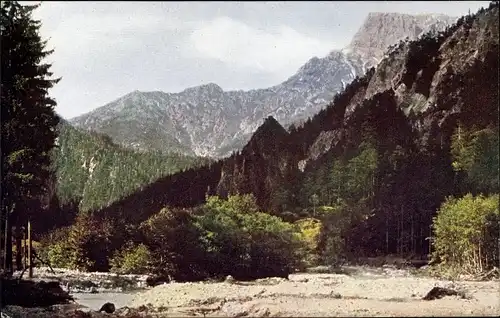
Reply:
x=440, y=292
x=108, y=308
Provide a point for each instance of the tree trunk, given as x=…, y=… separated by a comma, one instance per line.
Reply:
x=8, y=245
x=480, y=259
x=19, y=259
x=430, y=240
x=30, y=246
x=403, y=234
x=3, y=238
x=412, y=235
x=398, y=233
x=386, y=234
x=25, y=248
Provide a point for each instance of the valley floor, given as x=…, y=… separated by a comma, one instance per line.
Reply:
x=359, y=291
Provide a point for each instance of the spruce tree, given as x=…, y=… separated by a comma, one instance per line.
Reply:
x=28, y=130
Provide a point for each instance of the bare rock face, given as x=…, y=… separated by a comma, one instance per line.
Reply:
x=381, y=30
x=431, y=78
x=207, y=121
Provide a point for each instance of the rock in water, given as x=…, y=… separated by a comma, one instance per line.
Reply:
x=108, y=308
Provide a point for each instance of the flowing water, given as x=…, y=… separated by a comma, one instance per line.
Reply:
x=95, y=301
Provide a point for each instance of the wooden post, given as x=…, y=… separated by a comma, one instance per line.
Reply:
x=30, y=264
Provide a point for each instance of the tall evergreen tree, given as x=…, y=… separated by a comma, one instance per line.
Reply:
x=28, y=119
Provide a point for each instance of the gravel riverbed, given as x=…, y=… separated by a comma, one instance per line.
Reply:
x=357, y=291
x=316, y=295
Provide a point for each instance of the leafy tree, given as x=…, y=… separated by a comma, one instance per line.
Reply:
x=28, y=120
x=174, y=240
x=310, y=230
x=476, y=156
x=338, y=180
x=336, y=220
x=89, y=241
x=132, y=259
x=466, y=233
x=361, y=173
x=85, y=245
x=55, y=247
x=245, y=243
x=314, y=200
x=245, y=203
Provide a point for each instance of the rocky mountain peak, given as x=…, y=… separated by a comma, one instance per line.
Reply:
x=267, y=138
x=270, y=128
x=207, y=121
x=210, y=88
x=380, y=30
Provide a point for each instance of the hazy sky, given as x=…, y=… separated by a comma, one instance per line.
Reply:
x=104, y=50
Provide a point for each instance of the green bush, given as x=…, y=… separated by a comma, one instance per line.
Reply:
x=174, y=240
x=54, y=248
x=83, y=245
x=245, y=243
x=336, y=221
x=57, y=255
x=222, y=237
x=310, y=230
x=466, y=233
x=476, y=156
x=132, y=259
x=89, y=241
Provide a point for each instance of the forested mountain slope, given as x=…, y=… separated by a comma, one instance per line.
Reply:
x=386, y=152
x=91, y=171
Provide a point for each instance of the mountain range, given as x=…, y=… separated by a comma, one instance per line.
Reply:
x=207, y=121
x=376, y=164
x=385, y=153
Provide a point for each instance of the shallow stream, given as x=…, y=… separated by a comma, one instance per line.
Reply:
x=95, y=301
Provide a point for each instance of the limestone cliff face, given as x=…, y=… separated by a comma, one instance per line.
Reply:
x=381, y=30
x=438, y=78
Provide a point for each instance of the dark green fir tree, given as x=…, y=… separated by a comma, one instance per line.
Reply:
x=28, y=130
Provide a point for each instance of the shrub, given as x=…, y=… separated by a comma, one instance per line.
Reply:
x=247, y=244
x=132, y=259
x=83, y=245
x=55, y=248
x=336, y=221
x=310, y=230
x=466, y=233
x=174, y=240
x=476, y=155
x=57, y=255
x=89, y=241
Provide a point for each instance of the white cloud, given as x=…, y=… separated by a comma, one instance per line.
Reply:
x=241, y=45
x=105, y=33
